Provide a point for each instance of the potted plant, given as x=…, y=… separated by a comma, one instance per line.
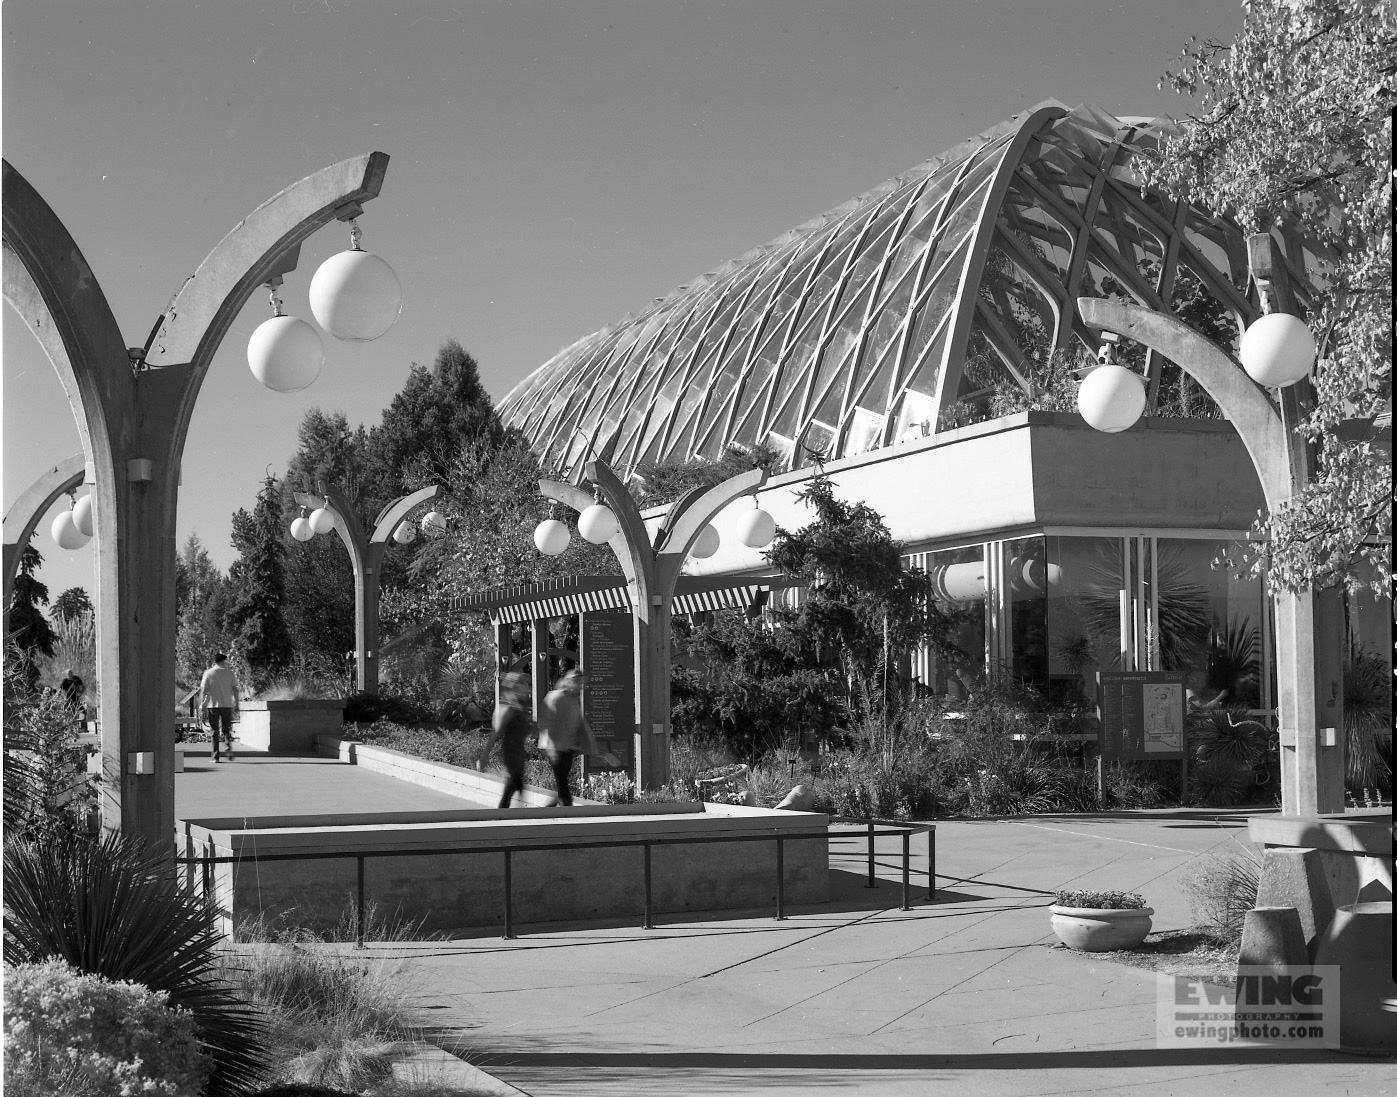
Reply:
x=1100, y=921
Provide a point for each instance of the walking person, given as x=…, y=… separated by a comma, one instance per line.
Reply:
x=511, y=726
x=218, y=700
x=562, y=729
x=73, y=687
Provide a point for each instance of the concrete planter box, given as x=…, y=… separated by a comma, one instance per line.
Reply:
x=288, y=727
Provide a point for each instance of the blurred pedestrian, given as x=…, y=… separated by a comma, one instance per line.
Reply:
x=73, y=687
x=511, y=726
x=562, y=729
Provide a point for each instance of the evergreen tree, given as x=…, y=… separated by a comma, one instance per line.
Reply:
x=72, y=604
x=30, y=628
x=1292, y=130
x=258, y=580
x=201, y=633
x=424, y=427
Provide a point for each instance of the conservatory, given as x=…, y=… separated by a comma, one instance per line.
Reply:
x=921, y=343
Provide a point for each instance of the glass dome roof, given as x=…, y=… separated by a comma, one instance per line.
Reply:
x=896, y=314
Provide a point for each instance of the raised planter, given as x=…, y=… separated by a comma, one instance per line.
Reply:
x=1359, y=941
x=1094, y=929
x=289, y=727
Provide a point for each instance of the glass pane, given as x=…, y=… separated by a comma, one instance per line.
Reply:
x=1083, y=606
x=956, y=579
x=1028, y=578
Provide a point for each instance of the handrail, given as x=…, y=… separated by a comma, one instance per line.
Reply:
x=508, y=849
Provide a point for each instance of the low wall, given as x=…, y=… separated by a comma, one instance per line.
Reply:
x=405, y=878
x=289, y=727
x=469, y=784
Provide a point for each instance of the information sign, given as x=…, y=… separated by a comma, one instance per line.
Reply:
x=1142, y=715
x=608, y=661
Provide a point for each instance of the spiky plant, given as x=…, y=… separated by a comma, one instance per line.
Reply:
x=115, y=908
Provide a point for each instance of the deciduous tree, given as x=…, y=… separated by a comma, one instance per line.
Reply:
x=1291, y=130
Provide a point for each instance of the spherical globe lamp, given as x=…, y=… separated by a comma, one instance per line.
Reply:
x=82, y=515
x=706, y=545
x=405, y=534
x=66, y=533
x=1111, y=398
x=597, y=524
x=302, y=530
x=433, y=523
x=355, y=296
x=551, y=537
x=756, y=528
x=1278, y=350
x=285, y=354
x=322, y=520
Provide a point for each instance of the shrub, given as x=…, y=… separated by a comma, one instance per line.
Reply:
x=337, y=1019
x=449, y=745
x=45, y=774
x=610, y=788
x=114, y=908
x=66, y=1032
x=1100, y=900
x=1130, y=785
x=365, y=708
x=1221, y=889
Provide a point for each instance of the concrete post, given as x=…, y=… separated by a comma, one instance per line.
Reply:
x=366, y=555
x=651, y=572
x=133, y=410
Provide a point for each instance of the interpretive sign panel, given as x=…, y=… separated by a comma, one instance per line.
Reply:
x=1142, y=715
x=608, y=661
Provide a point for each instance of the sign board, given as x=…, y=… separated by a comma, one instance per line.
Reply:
x=608, y=661
x=1142, y=715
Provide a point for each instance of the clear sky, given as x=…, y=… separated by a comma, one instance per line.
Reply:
x=556, y=164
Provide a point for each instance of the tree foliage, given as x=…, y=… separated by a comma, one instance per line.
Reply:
x=201, y=632
x=31, y=630
x=258, y=580
x=1291, y=131
x=72, y=603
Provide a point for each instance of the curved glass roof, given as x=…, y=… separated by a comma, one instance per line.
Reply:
x=896, y=313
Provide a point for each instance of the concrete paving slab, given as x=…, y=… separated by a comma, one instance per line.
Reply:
x=964, y=997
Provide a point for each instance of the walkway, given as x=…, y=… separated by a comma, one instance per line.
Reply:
x=964, y=997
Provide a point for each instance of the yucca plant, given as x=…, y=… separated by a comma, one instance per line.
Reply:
x=1368, y=722
x=115, y=908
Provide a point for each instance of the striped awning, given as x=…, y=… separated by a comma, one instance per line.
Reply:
x=591, y=593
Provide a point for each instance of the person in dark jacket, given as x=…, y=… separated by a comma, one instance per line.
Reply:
x=510, y=726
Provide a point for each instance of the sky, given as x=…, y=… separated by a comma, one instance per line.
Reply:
x=555, y=165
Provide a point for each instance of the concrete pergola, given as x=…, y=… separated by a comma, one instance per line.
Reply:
x=1309, y=623
x=133, y=407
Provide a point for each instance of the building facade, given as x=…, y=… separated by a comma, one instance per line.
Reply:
x=921, y=342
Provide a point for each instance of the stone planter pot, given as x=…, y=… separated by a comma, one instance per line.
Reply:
x=1359, y=941
x=1091, y=929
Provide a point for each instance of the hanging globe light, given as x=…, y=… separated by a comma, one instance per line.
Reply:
x=322, y=520
x=66, y=533
x=551, y=537
x=1111, y=398
x=284, y=353
x=756, y=528
x=707, y=544
x=301, y=528
x=355, y=295
x=1278, y=350
x=405, y=534
x=597, y=524
x=82, y=515
x=434, y=523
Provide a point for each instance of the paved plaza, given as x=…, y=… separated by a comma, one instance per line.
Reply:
x=966, y=996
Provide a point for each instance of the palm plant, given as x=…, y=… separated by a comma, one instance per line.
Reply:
x=1368, y=721
x=115, y=908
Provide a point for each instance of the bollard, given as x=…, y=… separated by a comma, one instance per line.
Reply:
x=780, y=879
x=872, y=883
x=931, y=864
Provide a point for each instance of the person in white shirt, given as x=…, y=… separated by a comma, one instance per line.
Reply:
x=218, y=700
x=563, y=731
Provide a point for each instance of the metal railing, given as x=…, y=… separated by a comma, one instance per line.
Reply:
x=906, y=830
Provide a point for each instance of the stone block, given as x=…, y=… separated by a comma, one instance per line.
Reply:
x=1297, y=878
x=1272, y=937
x=800, y=798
